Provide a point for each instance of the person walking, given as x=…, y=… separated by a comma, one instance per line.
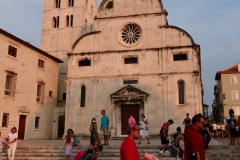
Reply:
x=164, y=136
x=105, y=127
x=144, y=129
x=193, y=140
x=69, y=143
x=12, y=143
x=76, y=142
x=128, y=150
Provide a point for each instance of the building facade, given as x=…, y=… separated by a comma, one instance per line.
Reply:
x=64, y=21
x=124, y=58
x=132, y=62
x=28, y=85
x=226, y=92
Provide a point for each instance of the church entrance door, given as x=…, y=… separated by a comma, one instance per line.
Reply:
x=126, y=111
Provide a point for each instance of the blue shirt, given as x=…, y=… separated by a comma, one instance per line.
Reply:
x=104, y=121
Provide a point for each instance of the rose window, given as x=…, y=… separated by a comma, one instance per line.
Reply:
x=131, y=33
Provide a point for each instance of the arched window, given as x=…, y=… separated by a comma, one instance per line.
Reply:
x=58, y=3
x=56, y=22
x=181, y=92
x=71, y=3
x=83, y=96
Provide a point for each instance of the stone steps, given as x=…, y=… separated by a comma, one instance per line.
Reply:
x=223, y=152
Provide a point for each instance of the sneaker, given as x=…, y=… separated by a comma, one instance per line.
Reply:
x=161, y=152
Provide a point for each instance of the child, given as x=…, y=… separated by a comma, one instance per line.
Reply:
x=68, y=148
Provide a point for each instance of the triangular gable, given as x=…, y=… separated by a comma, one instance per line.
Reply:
x=129, y=93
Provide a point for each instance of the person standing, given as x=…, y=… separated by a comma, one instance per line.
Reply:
x=193, y=140
x=187, y=121
x=12, y=143
x=144, y=129
x=232, y=123
x=128, y=150
x=164, y=136
x=105, y=127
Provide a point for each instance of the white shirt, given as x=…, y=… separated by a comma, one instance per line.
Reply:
x=11, y=137
x=142, y=124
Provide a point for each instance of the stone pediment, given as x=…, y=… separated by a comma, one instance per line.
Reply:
x=129, y=93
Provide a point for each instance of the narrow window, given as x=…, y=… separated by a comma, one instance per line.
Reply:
x=58, y=3
x=234, y=95
x=64, y=96
x=57, y=25
x=50, y=94
x=12, y=51
x=67, y=21
x=56, y=22
x=86, y=23
x=37, y=122
x=181, y=92
x=84, y=62
x=83, y=96
x=71, y=3
x=130, y=60
x=40, y=92
x=10, y=84
x=180, y=57
x=5, y=120
x=130, y=82
x=41, y=63
x=71, y=20
x=233, y=79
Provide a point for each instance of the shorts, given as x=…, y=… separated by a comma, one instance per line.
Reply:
x=105, y=131
x=233, y=132
x=164, y=140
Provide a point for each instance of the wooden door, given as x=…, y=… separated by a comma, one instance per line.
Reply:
x=21, y=127
x=61, y=126
x=126, y=112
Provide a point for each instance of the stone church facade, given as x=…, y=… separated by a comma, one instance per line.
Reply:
x=126, y=60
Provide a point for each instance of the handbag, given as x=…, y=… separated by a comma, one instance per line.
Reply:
x=100, y=147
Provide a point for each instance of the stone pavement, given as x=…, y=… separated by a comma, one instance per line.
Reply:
x=154, y=142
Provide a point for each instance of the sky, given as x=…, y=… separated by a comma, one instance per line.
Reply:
x=213, y=24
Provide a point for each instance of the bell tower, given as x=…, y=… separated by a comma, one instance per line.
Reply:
x=64, y=21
